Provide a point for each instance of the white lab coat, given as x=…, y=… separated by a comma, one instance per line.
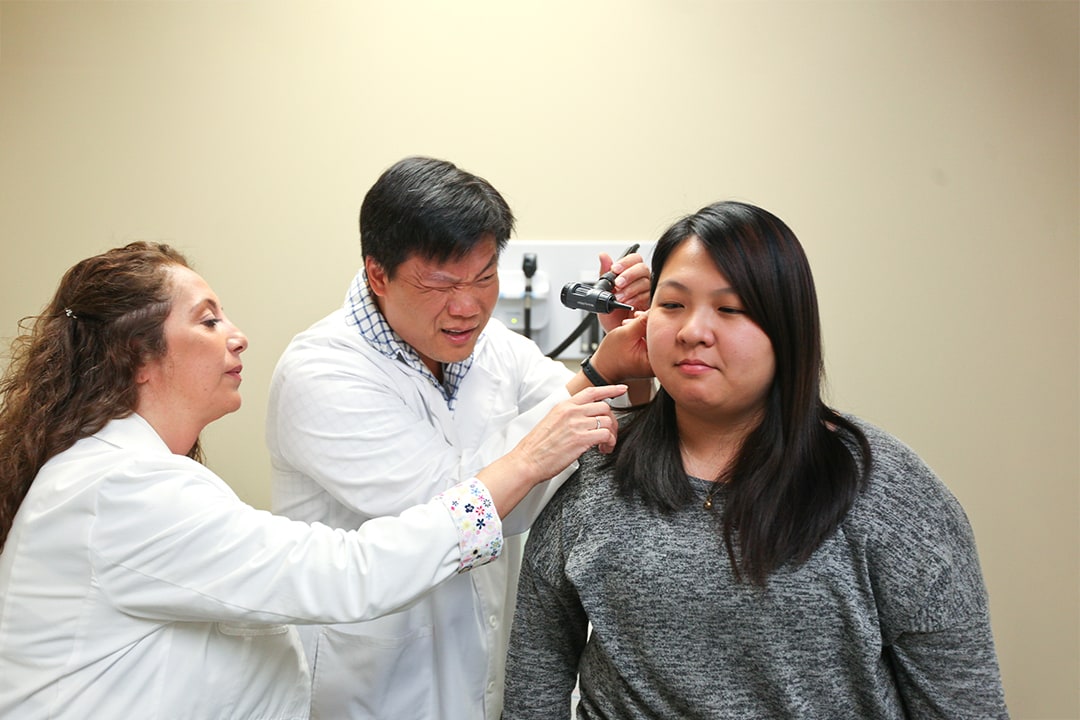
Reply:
x=136, y=584
x=353, y=435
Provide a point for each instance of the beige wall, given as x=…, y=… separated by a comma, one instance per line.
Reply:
x=925, y=152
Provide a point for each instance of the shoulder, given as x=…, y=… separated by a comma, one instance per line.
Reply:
x=917, y=540
x=127, y=456
x=512, y=358
x=588, y=489
x=324, y=337
x=902, y=491
x=584, y=513
x=326, y=354
x=595, y=466
x=500, y=342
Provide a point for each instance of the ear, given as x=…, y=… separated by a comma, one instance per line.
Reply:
x=376, y=277
x=142, y=374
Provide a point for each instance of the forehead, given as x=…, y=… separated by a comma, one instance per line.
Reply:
x=189, y=289
x=480, y=258
x=184, y=280
x=691, y=261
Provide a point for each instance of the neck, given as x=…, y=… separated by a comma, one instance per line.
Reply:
x=709, y=449
x=707, y=463
x=435, y=367
x=179, y=436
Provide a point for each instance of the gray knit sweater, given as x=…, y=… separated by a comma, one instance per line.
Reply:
x=887, y=619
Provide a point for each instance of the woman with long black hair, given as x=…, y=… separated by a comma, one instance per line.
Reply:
x=748, y=551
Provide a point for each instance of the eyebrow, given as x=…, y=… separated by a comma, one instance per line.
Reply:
x=204, y=303
x=439, y=276
x=675, y=284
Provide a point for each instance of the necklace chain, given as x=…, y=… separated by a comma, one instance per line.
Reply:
x=709, y=495
x=708, y=504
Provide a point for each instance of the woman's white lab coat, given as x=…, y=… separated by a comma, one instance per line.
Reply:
x=136, y=584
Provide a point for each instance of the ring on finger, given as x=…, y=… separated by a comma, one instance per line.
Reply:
x=597, y=423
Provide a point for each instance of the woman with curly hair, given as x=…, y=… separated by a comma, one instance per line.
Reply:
x=133, y=581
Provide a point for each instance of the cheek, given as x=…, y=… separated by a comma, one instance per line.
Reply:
x=408, y=313
x=428, y=305
x=659, y=337
x=488, y=297
x=757, y=353
x=200, y=378
x=202, y=366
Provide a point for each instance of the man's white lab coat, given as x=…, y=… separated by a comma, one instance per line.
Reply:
x=354, y=434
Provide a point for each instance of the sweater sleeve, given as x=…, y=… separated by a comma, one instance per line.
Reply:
x=943, y=657
x=949, y=673
x=550, y=626
x=932, y=602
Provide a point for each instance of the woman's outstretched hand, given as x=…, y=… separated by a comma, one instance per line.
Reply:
x=569, y=429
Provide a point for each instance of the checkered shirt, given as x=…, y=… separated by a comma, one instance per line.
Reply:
x=362, y=313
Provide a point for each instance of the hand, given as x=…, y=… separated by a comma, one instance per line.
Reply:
x=632, y=286
x=569, y=429
x=623, y=354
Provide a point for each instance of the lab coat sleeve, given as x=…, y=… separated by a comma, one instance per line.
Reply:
x=171, y=541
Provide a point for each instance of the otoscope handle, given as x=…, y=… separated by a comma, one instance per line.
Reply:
x=607, y=280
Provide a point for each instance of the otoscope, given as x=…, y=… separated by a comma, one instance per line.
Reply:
x=597, y=297
x=593, y=298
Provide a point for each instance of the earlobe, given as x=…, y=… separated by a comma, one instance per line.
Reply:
x=142, y=374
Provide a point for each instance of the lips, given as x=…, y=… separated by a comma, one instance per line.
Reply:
x=236, y=371
x=459, y=335
x=693, y=367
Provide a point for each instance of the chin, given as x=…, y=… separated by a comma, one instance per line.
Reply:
x=457, y=354
x=230, y=408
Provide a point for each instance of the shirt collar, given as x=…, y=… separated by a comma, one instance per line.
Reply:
x=362, y=313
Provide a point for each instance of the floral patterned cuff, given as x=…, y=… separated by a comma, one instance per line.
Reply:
x=479, y=527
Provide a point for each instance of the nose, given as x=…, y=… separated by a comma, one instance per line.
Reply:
x=464, y=302
x=698, y=328
x=238, y=341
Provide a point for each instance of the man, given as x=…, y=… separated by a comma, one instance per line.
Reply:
x=406, y=390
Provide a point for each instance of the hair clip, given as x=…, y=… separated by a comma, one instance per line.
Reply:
x=73, y=316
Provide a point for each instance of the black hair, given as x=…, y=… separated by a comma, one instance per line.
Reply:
x=430, y=208
x=794, y=478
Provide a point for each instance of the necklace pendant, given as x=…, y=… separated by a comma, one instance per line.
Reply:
x=708, y=503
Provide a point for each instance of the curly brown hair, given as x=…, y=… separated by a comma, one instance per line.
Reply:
x=72, y=368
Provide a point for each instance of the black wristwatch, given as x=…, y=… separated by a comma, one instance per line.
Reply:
x=590, y=372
